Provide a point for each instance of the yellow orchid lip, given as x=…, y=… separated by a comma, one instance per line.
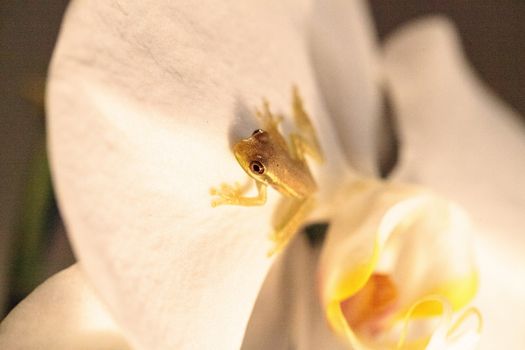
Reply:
x=401, y=258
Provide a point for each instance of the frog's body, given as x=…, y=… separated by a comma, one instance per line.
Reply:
x=288, y=175
x=271, y=161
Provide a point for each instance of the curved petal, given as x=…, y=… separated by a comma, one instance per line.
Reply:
x=459, y=139
x=434, y=256
x=389, y=247
x=358, y=232
x=356, y=237
x=144, y=101
x=287, y=313
x=346, y=62
x=63, y=313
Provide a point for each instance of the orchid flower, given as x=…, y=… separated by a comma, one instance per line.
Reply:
x=451, y=129
x=144, y=100
x=408, y=263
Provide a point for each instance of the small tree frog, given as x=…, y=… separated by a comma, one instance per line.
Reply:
x=270, y=160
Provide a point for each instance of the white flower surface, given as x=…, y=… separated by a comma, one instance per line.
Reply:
x=459, y=139
x=145, y=100
x=63, y=313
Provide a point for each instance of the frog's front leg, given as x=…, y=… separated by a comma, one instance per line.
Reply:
x=234, y=195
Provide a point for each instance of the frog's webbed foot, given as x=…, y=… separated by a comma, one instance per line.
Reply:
x=227, y=194
x=301, y=146
x=301, y=118
x=306, y=140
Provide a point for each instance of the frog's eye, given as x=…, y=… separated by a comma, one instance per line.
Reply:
x=256, y=167
x=258, y=131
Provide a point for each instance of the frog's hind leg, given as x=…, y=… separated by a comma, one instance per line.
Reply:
x=306, y=140
x=301, y=146
x=290, y=223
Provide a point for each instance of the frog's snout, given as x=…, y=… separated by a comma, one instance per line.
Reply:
x=239, y=149
x=242, y=151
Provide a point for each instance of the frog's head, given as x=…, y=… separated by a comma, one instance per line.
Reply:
x=253, y=154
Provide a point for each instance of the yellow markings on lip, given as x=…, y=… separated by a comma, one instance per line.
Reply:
x=447, y=329
x=458, y=292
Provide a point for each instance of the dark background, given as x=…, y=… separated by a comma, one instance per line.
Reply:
x=32, y=240
x=492, y=33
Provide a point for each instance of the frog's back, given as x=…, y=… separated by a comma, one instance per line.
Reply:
x=290, y=176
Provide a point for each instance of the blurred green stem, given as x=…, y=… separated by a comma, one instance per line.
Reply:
x=32, y=224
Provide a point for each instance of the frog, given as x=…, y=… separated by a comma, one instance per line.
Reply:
x=273, y=160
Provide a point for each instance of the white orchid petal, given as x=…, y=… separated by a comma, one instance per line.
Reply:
x=63, y=313
x=288, y=313
x=434, y=255
x=459, y=139
x=345, y=59
x=144, y=99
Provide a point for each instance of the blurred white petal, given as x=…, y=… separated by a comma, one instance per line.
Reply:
x=346, y=62
x=63, y=313
x=459, y=139
x=288, y=314
x=435, y=255
x=144, y=100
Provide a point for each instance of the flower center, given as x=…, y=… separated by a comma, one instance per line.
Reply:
x=366, y=309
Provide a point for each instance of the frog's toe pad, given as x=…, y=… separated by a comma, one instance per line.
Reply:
x=226, y=194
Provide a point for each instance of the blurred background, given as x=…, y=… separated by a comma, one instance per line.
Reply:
x=33, y=244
